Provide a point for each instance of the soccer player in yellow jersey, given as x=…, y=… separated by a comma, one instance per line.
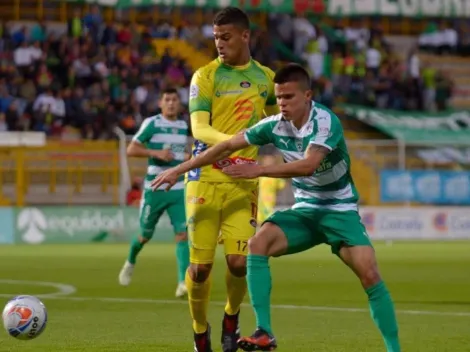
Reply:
x=228, y=95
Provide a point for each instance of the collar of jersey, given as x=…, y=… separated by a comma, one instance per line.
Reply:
x=313, y=113
x=243, y=67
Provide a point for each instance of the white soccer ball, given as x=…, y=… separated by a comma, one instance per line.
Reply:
x=24, y=317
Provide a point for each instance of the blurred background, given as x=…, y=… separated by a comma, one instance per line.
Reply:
x=77, y=78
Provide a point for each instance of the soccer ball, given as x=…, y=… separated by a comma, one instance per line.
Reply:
x=24, y=317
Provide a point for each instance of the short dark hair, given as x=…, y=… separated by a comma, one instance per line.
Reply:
x=170, y=90
x=232, y=15
x=293, y=73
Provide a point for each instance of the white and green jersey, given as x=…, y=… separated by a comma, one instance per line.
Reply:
x=159, y=133
x=331, y=185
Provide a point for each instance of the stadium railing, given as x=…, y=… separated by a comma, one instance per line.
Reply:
x=387, y=169
x=60, y=172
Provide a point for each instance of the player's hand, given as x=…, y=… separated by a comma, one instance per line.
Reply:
x=165, y=155
x=243, y=171
x=168, y=177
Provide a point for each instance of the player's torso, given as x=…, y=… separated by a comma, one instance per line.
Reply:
x=331, y=180
x=166, y=134
x=239, y=98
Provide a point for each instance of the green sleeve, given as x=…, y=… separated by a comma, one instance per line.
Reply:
x=200, y=92
x=144, y=134
x=261, y=133
x=328, y=130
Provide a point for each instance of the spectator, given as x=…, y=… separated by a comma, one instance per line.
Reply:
x=134, y=195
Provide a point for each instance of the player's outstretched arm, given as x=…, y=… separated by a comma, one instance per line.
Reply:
x=218, y=152
x=314, y=155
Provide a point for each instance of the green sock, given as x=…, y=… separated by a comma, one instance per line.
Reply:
x=182, y=259
x=136, y=247
x=259, y=286
x=383, y=313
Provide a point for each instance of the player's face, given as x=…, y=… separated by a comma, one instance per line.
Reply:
x=292, y=100
x=229, y=42
x=170, y=105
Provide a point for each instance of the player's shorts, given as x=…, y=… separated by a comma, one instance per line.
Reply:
x=307, y=228
x=154, y=204
x=228, y=209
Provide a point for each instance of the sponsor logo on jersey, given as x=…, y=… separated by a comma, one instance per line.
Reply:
x=245, y=84
x=237, y=160
x=193, y=91
x=244, y=109
x=219, y=93
x=195, y=200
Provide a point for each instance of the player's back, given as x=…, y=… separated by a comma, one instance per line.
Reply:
x=159, y=133
x=235, y=97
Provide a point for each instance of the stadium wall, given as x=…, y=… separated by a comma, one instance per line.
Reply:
x=36, y=225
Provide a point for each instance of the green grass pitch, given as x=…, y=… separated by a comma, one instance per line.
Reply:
x=318, y=304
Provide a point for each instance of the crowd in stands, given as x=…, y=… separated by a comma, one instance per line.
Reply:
x=94, y=75
x=357, y=65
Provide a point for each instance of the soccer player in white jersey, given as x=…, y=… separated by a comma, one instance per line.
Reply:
x=162, y=139
x=311, y=139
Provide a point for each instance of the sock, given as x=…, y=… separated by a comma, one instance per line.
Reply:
x=236, y=290
x=136, y=247
x=383, y=314
x=182, y=259
x=198, y=297
x=259, y=286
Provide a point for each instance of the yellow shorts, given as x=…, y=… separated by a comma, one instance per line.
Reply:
x=225, y=209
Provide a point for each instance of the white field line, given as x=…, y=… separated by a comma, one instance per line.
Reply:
x=64, y=291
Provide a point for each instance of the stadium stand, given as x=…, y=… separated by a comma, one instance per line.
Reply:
x=114, y=68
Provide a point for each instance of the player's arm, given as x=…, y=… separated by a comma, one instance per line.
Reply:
x=218, y=152
x=200, y=107
x=137, y=147
x=314, y=155
x=321, y=144
x=203, y=131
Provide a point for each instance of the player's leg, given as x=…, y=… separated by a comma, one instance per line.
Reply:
x=203, y=219
x=349, y=240
x=176, y=212
x=151, y=208
x=238, y=225
x=285, y=232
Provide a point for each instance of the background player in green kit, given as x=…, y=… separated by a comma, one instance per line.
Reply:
x=163, y=140
x=310, y=137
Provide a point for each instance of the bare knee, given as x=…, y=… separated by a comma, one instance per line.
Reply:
x=370, y=276
x=143, y=240
x=236, y=264
x=181, y=237
x=361, y=259
x=199, y=272
x=269, y=241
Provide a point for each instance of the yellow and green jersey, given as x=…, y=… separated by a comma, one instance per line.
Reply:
x=236, y=98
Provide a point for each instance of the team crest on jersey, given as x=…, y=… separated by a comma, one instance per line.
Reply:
x=299, y=144
x=263, y=90
x=245, y=84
